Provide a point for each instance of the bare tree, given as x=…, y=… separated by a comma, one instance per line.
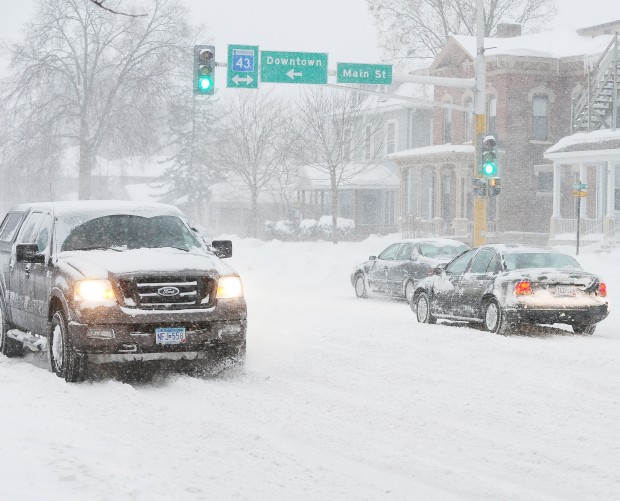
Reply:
x=192, y=168
x=341, y=135
x=94, y=79
x=418, y=29
x=254, y=141
x=115, y=10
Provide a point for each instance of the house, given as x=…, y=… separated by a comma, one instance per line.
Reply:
x=532, y=82
x=369, y=192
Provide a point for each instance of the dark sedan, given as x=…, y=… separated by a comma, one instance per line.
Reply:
x=402, y=265
x=501, y=286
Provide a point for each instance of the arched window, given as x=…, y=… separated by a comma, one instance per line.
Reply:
x=540, y=117
x=447, y=125
x=468, y=119
x=492, y=114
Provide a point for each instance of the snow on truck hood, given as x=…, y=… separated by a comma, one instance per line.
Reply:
x=97, y=263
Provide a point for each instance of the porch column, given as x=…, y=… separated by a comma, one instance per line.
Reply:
x=611, y=190
x=557, y=184
x=583, y=178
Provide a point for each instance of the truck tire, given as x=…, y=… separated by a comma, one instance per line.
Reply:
x=8, y=346
x=64, y=360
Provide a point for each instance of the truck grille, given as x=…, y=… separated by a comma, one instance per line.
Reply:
x=168, y=293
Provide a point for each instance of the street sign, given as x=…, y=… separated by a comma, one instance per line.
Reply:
x=293, y=67
x=374, y=74
x=580, y=189
x=242, y=66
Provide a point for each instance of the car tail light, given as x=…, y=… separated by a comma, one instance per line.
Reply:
x=523, y=288
x=602, y=289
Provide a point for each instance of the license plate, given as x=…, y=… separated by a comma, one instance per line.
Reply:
x=170, y=335
x=565, y=290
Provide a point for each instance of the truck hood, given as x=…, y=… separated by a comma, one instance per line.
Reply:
x=101, y=263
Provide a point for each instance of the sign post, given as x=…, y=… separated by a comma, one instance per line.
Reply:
x=293, y=67
x=580, y=190
x=242, y=66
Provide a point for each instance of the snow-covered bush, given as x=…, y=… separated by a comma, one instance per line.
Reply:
x=308, y=229
x=343, y=226
x=281, y=230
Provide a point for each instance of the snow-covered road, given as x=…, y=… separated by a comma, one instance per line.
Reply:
x=341, y=399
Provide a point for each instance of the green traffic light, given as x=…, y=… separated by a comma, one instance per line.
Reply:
x=205, y=83
x=489, y=169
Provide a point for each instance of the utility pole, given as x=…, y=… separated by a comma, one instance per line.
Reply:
x=480, y=202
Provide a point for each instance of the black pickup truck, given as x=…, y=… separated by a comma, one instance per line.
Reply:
x=111, y=281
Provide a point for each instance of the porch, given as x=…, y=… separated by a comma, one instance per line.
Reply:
x=590, y=160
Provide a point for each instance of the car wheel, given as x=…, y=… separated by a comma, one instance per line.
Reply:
x=495, y=318
x=8, y=346
x=423, y=309
x=409, y=290
x=584, y=329
x=65, y=361
x=360, y=286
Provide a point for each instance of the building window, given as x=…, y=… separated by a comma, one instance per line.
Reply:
x=492, y=114
x=468, y=119
x=391, y=137
x=447, y=125
x=540, y=119
x=347, y=144
x=545, y=182
x=368, y=143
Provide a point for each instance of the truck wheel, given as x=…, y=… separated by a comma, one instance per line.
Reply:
x=8, y=346
x=65, y=362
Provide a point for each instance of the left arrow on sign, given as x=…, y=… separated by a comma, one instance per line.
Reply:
x=292, y=74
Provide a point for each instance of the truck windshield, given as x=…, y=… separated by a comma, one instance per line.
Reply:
x=125, y=231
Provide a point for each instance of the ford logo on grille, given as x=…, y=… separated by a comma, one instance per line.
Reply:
x=168, y=291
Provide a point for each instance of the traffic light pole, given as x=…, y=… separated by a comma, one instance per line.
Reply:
x=480, y=202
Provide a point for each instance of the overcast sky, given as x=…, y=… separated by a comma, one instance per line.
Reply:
x=343, y=28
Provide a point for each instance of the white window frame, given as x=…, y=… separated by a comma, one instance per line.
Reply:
x=389, y=123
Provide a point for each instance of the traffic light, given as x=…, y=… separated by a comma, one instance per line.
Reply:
x=204, y=69
x=494, y=188
x=480, y=187
x=488, y=167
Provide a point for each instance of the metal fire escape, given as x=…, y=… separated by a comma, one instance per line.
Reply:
x=596, y=107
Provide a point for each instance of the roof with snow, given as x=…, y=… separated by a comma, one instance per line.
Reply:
x=596, y=146
x=356, y=176
x=435, y=150
x=556, y=44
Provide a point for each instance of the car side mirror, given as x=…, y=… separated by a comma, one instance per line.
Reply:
x=438, y=270
x=222, y=248
x=28, y=253
x=372, y=258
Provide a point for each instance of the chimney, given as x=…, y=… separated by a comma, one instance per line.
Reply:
x=508, y=30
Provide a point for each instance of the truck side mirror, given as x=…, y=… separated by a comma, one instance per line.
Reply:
x=222, y=248
x=28, y=253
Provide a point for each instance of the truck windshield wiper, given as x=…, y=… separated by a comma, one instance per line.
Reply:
x=116, y=248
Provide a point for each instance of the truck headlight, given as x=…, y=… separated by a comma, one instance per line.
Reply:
x=94, y=291
x=229, y=287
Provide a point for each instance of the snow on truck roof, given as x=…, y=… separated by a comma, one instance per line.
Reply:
x=103, y=207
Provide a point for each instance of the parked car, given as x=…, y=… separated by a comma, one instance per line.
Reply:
x=501, y=286
x=112, y=281
x=397, y=270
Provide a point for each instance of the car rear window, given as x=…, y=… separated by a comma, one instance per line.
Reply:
x=441, y=250
x=522, y=260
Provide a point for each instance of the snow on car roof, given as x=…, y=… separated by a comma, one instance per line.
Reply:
x=104, y=207
x=519, y=248
x=440, y=241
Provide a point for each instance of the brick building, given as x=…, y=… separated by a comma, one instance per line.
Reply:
x=532, y=82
